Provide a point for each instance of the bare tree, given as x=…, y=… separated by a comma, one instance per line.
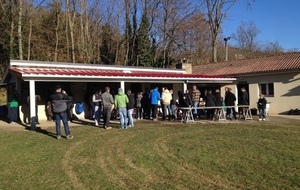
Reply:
x=272, y=48
x=71, y=18
x=20, y=36
x=31, y=10
x=12, y=6
x=216, y=13
x=246, y=36
x=171, y=15
x=57, y=24
x=193, y=36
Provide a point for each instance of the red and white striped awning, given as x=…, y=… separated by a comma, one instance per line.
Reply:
x=54, y=71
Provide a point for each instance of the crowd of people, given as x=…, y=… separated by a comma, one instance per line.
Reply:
x=155, y=102
x=147, y=105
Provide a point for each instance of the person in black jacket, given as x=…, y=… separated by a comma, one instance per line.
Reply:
x=210, y=102
x=243, y=101
x=218, y=97
x=230, y=99
x=262, y=104
x=173, y=106
x=130, y=108
x=59, y=100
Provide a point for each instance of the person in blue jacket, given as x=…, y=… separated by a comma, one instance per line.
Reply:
x=154, y=97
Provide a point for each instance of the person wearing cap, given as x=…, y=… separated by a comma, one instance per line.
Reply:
x=121, y=100
x=59, y=101
x=108, y=103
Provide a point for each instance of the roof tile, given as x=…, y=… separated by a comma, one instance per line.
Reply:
x=280, y=62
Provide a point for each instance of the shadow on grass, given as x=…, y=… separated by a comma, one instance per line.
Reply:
x=42, y=131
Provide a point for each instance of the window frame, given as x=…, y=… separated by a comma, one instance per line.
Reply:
x=269, y=89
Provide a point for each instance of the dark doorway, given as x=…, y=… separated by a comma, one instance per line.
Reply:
x=136, y=87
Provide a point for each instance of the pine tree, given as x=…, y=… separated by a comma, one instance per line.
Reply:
x=144, y=48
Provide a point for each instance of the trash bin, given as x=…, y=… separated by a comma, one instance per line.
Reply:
x=253, y=111
x=3, y=111
x=268, y=108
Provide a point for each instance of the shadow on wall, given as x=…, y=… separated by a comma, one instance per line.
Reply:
x=284, y=113
x=45, y=115
x=293, y=92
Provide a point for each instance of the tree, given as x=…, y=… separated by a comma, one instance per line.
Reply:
x=20, y=36
x=193, y=39
x=216, y=13
x=144, y=47
x=170, y=15
x=272, y=48
x=71, y=19
x=128, y=32
x=245, y=36
x=108, y=47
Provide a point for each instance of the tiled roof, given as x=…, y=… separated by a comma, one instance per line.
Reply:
x=96, y=74
x=281, y=62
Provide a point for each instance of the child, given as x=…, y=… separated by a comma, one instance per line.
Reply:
x=261, y=104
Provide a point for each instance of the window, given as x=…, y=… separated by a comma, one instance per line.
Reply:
x=267, y=89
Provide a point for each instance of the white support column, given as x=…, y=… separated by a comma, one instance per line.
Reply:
x=122, y=85
x=235, y=90
x=32, y=104
x=184, y=87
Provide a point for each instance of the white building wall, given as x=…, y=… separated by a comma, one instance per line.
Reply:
x=286, y=91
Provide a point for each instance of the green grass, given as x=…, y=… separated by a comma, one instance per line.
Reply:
x=154, y=156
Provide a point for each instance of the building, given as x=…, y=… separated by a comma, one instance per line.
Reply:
x=32, y=78
x=277, y=77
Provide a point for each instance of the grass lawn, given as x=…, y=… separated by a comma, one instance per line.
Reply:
x=154, y=156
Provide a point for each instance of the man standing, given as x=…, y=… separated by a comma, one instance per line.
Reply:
x=173, y=106
x=229, y=101
x=243, y=101
x=154, y=97
x=97, y=106
x=196, y=99
x=121, y=101
x=166, y=98
x=108, y=102
x=59, y=101
x=130, y=107
x=162, y=104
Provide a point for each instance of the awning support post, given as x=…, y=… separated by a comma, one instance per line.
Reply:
x=32, y=106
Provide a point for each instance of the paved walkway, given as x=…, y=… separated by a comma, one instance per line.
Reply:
x=284, y=119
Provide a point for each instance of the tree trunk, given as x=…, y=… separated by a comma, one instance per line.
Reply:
x=12, y=36
x=20, y=36
x=30, y=31
x=82, y=32
x=71, y=26
x=57, y=8
x=127, y=31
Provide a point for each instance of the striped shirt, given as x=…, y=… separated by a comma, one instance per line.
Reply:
x=196, y=95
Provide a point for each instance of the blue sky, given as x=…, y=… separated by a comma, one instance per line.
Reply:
x=277, y=20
